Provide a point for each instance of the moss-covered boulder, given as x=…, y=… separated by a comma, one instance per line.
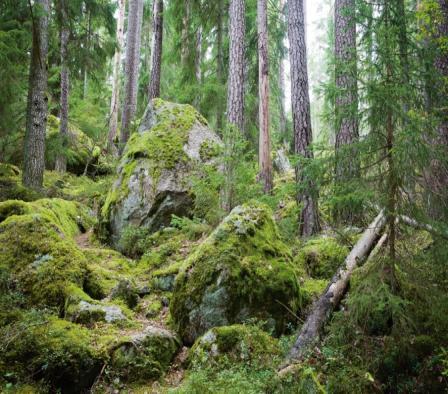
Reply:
x=80, y=150
x=64, y=355
x=146, y=355
x=235, y=344
x=11, y=185
x=321, y=257
x=242, y=271
x=158, y=160
x=38, y=255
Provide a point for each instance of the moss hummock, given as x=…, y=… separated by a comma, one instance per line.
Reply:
x=242, y=271
x=321, y=257
x=38, y=252
x=234, y=344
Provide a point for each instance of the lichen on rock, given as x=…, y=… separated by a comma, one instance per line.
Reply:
x=153, y=175
x=242, y=271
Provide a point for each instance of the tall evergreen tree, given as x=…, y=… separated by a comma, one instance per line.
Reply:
x=37, y=105
x=301, y=115
x=156, y=53
x=115, y=100
x=237, y=34
x=346, y=105
x=264, y=155
x=61, y=159
x=133, y=40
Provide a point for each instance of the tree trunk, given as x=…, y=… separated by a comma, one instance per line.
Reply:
x=37, y=105
x=437, y=174
x=264, y=156
x=346, y=108
x=220, y=63
x=322, y=309
x=197, y=65
x=115, y=100
x=154, y=83
x=281, y=86
x=185, y=44
x=301, y=114
x=131, y=69
x=61, y=159
x=86, y=76
x=235, y=94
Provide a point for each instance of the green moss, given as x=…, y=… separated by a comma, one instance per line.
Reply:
x=11, y=187
x=209, y=150
x=311, y=289
x=321, y=257
x=57, y=351
x=235, y=344
x=242, y=270
x=80, y=148
x=105, y=269
x=37, y=249
x=145, y=356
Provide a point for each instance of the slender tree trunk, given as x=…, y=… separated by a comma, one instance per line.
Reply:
x=61, y=159
x=86, y=76
x=185, y=44
x=37, y=105
x=115, y=100
x=220, y=63
x=131, y=69
x=347, y=134
x=154, y=83
x=197, y=65
x=264, y=156
x=237, y=33
x=301, y=114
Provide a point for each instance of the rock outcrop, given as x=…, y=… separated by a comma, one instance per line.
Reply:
x=153, y=181
x=241, y=272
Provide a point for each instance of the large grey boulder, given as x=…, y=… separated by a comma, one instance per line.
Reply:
x=153, y=180
x=242, y=272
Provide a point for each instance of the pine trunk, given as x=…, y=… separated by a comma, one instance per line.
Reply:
x=220, y=63
x=265, y=161
x=437, y=174
x=237, y=33
x=156, y=56
x=281, y=86
x=347, y=135
x=115, y=100
x=301, y=114
x=61, y=159
x=37, y=105
x=131, y=69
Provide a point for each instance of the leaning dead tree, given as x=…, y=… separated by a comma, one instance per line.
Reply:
x=312, y=328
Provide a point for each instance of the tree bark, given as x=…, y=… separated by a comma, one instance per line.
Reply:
x=235, y=94
x=154, y=84
x=281, y=86
x=220, y=63
x=312, y=328
x=37, y=104
x=115, y=100
x=437, y=173
x=301, y=114
x=131, y=69
x=346, y=106
x=185, y=44
x=61, y=159
x=264, y=156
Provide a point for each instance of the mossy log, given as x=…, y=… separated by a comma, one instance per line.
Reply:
x=332, y=296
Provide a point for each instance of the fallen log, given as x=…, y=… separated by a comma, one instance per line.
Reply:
x=312, y=328
x=422, y=226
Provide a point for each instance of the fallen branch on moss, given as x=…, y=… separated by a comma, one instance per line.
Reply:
x=422, y=226
x=310, y=333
